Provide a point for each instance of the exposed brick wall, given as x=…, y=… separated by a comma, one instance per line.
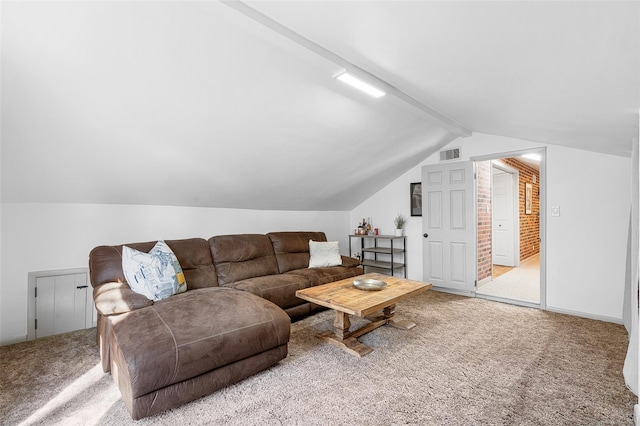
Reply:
x=529, y=223
x=483, y=171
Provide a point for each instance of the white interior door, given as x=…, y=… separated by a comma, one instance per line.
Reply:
x=448, y=223
x=503, y=245
x=61, y=304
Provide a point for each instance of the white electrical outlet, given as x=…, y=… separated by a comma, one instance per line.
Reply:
x=555, y=211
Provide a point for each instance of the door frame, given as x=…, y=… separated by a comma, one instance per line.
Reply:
x=543, y=221
x=515, y=180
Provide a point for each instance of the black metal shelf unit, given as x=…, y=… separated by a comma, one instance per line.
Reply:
x=397, y=255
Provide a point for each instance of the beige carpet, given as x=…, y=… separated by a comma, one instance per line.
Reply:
x=521, y=283
x=468, y=362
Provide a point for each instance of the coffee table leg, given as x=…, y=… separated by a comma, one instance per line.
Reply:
x=389, y=313
x=341, y=325
x=341, y=336
x=347, y=340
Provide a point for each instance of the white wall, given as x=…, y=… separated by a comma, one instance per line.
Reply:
x=38, y=237
x=586, y=245
x=383, y=207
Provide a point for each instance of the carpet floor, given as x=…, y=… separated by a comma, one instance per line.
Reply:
x=467, y=362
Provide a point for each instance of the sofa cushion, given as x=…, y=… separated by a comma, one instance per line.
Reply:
x=118, y=298
x=156, y=275
x=194, y=255
x=292, y=248
x=319, y=276
x=279, y=288
x=238, y=257
x=323, y=254
x=196, y=262
x=350, y=262
x=192, y=333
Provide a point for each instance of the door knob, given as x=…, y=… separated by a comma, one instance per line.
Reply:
x=425, y=235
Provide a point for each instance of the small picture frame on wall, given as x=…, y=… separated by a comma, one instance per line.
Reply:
x=416, y=198
x=528, y=198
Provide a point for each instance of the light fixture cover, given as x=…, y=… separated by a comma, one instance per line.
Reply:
x=359, y=84
x=532, y=156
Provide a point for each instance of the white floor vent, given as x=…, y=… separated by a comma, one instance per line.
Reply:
x=450, y=154
x=59, y=301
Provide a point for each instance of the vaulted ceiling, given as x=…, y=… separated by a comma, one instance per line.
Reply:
x=228, y=104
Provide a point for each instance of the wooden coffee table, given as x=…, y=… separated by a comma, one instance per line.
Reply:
x=347, y=300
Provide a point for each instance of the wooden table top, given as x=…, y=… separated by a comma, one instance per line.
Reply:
x=344, y=297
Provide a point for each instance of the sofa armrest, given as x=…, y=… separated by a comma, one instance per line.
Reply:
x=350, y=262
x=117, y=298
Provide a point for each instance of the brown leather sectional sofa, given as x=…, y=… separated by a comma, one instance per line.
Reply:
x=233, y=321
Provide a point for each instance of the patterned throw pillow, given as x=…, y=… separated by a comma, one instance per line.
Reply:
x=157, y=274
x=324, y=253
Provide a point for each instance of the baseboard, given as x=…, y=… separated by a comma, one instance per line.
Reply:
x=452, y=291
x=636, y=415
x=532, y=305
x=585, y=315
x=508, y=301
x=13, y=341
x=484, y=281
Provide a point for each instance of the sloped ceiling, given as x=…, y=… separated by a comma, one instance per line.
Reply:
x=197, y=104
x=559, y=72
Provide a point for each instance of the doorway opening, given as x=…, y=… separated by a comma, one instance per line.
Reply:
x=508, y=197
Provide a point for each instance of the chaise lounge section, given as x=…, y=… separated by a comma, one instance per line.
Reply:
x=232, y=322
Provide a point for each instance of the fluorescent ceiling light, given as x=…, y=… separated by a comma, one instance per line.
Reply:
x=359, y=84
x=533, y=156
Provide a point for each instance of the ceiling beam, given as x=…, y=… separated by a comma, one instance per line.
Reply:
x=426, y=111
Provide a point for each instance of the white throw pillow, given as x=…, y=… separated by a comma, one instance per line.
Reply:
x=324, y=254
x=156, y=275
